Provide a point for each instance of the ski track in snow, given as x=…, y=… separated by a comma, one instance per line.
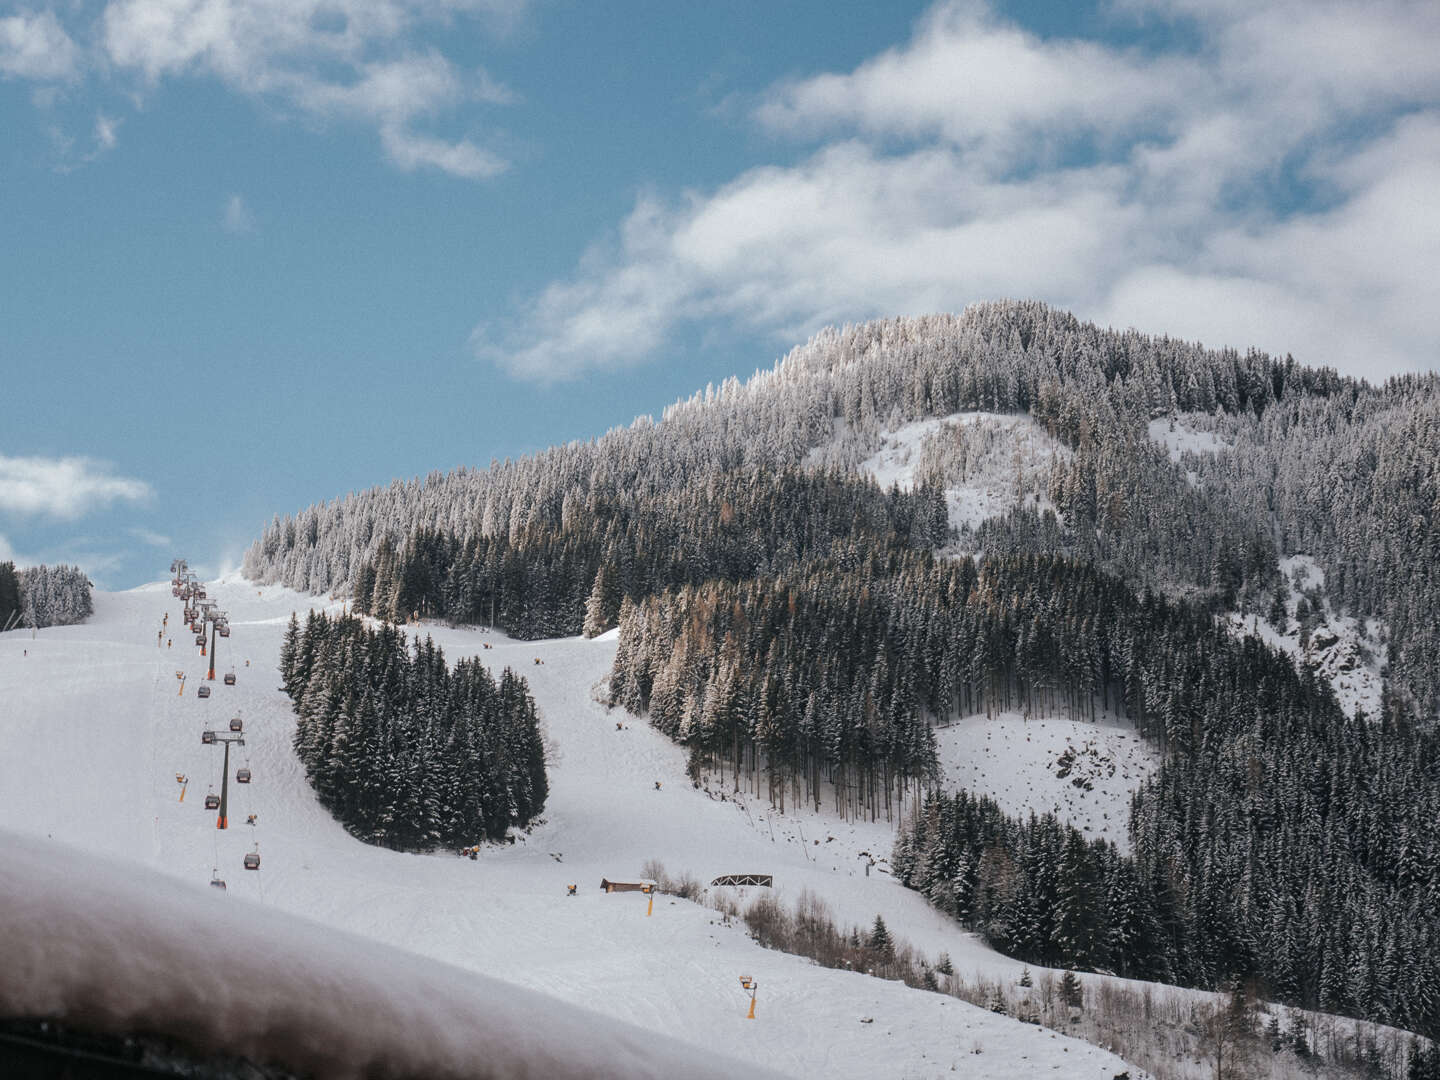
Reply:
x=94, y=732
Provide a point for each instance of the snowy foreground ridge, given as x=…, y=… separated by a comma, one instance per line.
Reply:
x=448, y=966
x=115, y=948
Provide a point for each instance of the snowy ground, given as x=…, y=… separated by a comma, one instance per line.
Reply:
x=991, y=462
x=95, y=730
x=1084, y=773
x=1347, y=652
x=242, y=980
x=1180, y=437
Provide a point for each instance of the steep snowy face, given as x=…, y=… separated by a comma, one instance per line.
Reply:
x=1347, y=652
x=1180, y=436
x=1081, y=771
x=987, y=463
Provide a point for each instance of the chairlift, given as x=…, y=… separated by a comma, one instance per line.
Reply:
x=242, y=775
x=230, y=678
x=212, y=801
x=236, y=724
x=207, y=737
x=203, y=692
x=252, y=860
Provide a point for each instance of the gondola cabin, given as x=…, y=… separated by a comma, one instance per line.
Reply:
x=224, y=629
x=174, y=590
x=252, y=861
x=230, y=678
x=199, y=639
x=207, y=737
x=199, y=594
x=203, y=692
x=237, y=724
x=212, y=802
x=242, y=776
x=217, y=883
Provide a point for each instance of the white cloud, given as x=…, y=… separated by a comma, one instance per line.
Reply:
x=148, y=536
x=235, y=216
x=410, y=151
x=354, y=60
x=1267, y=186
x=36, y=46
x=969, y=78
x=334, y=59
x=65, y=488
x=105, y=133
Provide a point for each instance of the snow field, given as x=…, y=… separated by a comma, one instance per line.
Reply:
x=1180, y=438
x=1084, y=773
x=94, y=716
x=997, y=446
x=238, y=979
x=1345, y=651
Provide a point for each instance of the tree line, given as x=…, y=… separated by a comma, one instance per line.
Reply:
x=404, y=751
x=44, y=595
x=1280, y=841
x=568, y=573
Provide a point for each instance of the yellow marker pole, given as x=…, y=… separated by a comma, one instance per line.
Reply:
x=182, y=689
x=753, y=985
x=651, y=909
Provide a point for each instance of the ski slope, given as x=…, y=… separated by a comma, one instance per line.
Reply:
x=94, y=729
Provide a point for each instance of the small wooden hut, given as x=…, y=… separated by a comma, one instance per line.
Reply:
x=639, y=885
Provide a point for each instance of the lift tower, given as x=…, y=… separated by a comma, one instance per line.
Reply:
x=223, y=821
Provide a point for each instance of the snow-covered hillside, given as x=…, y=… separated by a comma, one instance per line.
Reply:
x=1083, y=773
x=96, y=715
x=242, y=980
x=1181, y=436
x=1347, y=652
x=988, y=463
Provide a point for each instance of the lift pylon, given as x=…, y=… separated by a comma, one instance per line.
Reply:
x=223, y=821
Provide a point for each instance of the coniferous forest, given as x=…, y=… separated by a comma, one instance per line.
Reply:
x=795, y=625
x=44, y=595
x=9, y=593
x=404, y=751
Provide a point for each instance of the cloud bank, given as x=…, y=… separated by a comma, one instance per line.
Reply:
x=357, y=61
x=65, y=488
x=1261, y=180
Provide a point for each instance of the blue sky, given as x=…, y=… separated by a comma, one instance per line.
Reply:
x=255, y=255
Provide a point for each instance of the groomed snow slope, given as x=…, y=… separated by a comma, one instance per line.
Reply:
x=94, y=732
x=241, y=980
